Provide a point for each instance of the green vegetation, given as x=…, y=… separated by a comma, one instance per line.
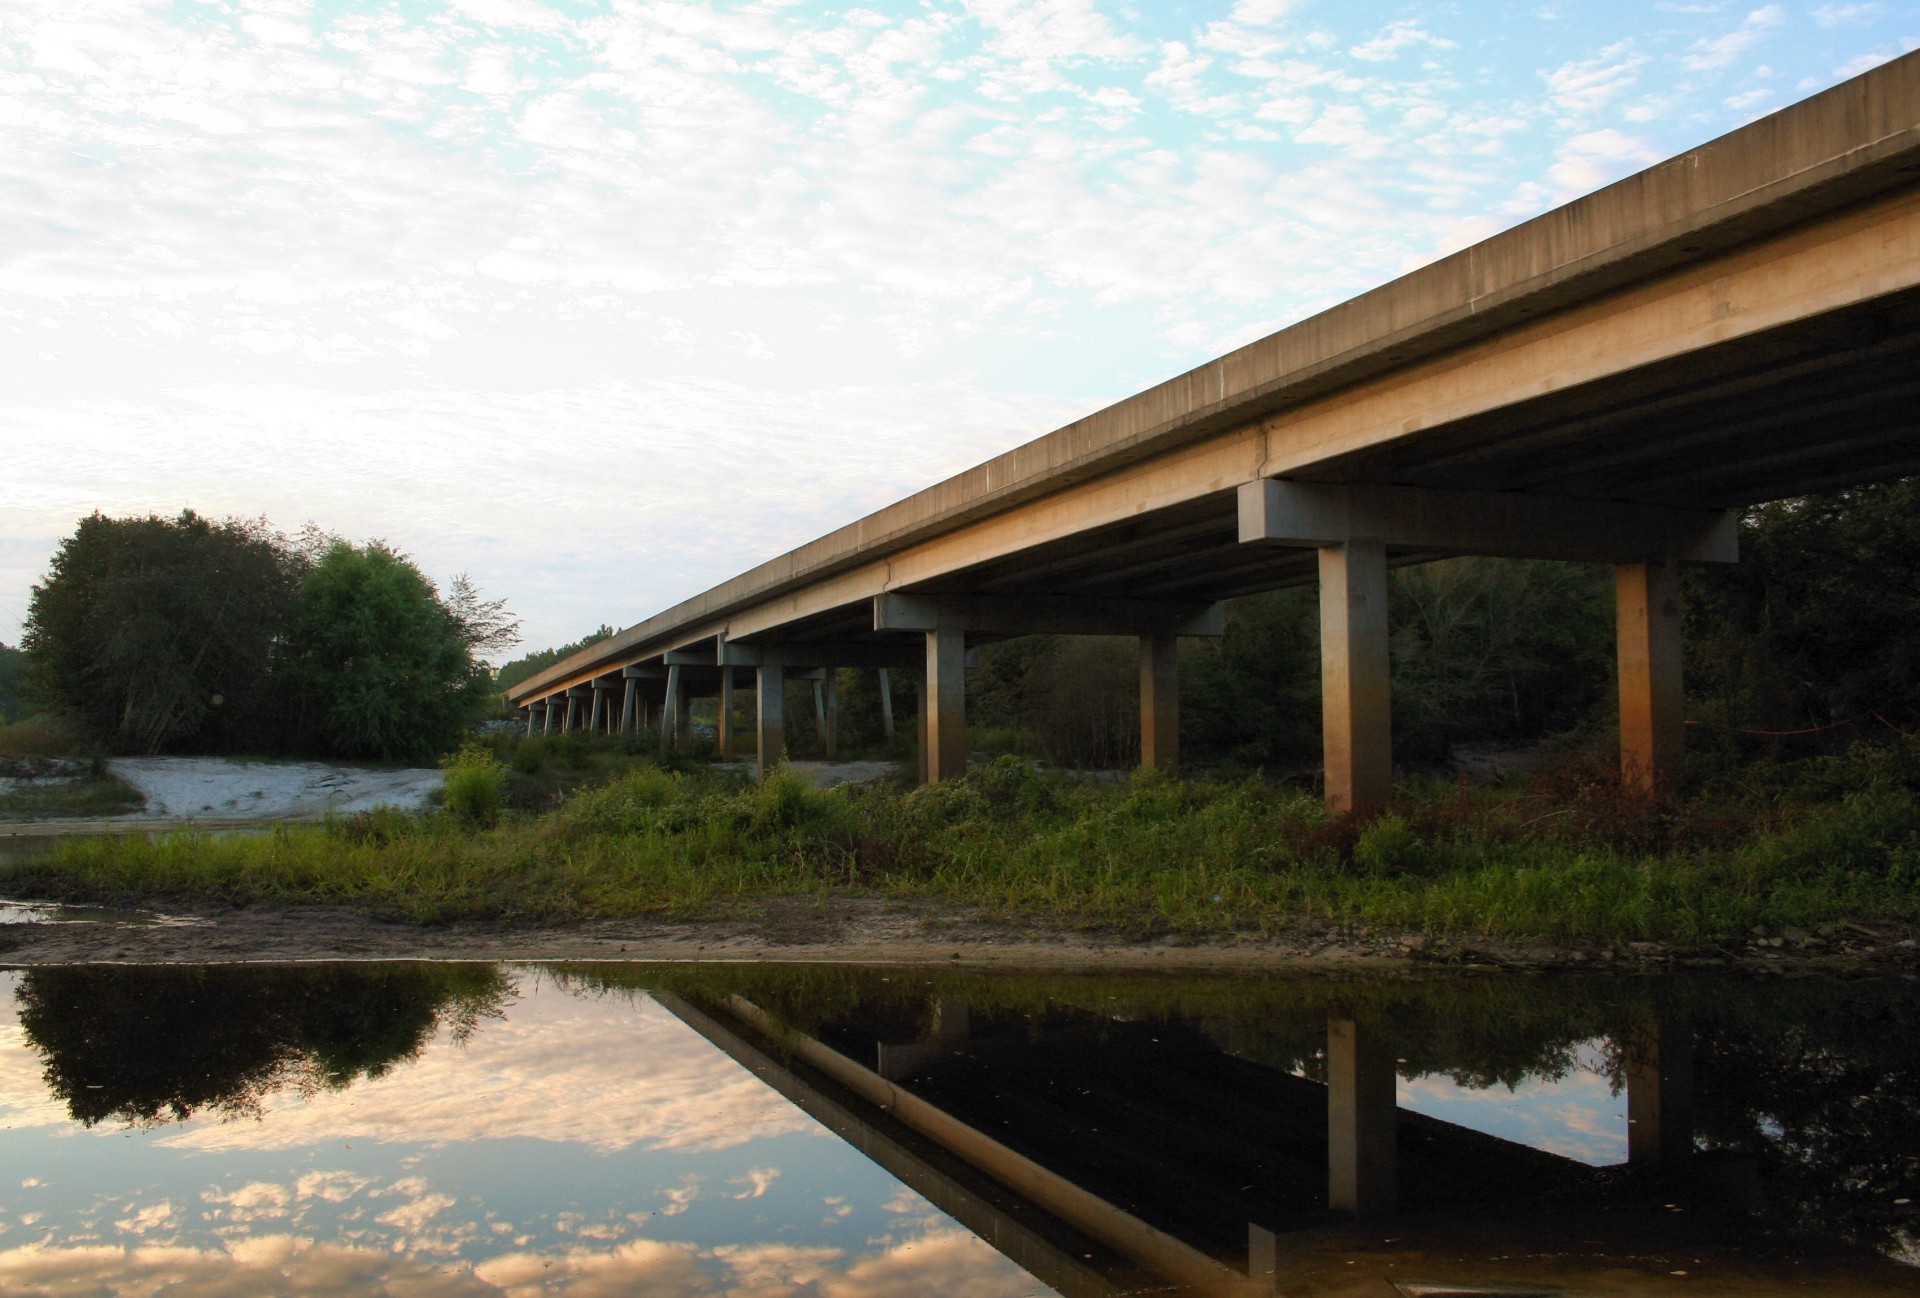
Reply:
x=1567, y=855
x=476, y=786
x=185, y=635
x=13, y=673
x=99, y=794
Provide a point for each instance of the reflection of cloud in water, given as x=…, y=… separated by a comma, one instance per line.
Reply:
x=1577, y=1116
x=948, y=1262
x=606, y=1074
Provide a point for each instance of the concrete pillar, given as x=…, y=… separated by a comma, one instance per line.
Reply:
x=820, y=710
x=1159, y=702
x=573, y=712
x=1659, y=1095
x=723, y=728
x=546, y=719
x=886, y=705
x=1653, y=726
x=670, y=732
x=1363, y=1131
x=1355, y=698
x=945, y=705
x=771, y=707
x=535, y=715
x=830, y=714
x=920, y=738
x=596, y=718
x=630, y=707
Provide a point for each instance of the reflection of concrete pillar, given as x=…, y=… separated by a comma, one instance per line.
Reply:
x=950, y=1026
x=670, y=711
x=1159, y=702
x=1263, y=1258
x=945, y=705
x=1653, y=726
x=724, y=727
x=886, y=705
x=831, y=713
x=1356, y=702
x=771, y=705
x=1659, y=1095
x=1363, y=1131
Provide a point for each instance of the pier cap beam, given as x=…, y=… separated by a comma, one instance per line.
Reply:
x=1046, y=615
x=1501, y=524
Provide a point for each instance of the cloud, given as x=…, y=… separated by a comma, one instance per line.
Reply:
x=1710, y=54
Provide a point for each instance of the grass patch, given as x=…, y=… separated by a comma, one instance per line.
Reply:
x=1565, y=856
x=90, y=798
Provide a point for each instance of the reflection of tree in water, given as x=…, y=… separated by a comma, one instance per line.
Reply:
x=1823, y=1091
x=154, y=1045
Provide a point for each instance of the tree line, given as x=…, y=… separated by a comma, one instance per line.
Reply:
x=188, y=634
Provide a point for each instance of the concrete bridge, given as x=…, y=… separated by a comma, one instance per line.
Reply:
x=1609, y=382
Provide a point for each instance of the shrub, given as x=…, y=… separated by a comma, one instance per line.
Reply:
x=476, y=785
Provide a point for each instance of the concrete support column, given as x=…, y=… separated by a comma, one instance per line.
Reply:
x=1355, y=697
x=830, y=714
x=1159, y=702
x=536, y=713
x=630, y=707
x=1659, y=1095
x=771, y=706
x=670, y=732
x=920, y=744
x=573, y=712
x=945, y=705
x=723, y=728
x=886, y=705
x=596, y=718
x=1363, y=1132
x=547, y=711
x=1653, y=727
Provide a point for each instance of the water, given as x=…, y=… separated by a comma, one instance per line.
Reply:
x=440, y=1129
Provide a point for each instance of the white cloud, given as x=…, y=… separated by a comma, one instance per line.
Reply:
x=1711, y=54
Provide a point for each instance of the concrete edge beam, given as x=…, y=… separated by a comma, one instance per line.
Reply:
x=1046, y=615
x=1505, y=524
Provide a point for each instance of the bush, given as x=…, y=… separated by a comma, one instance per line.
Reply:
x=476, y=786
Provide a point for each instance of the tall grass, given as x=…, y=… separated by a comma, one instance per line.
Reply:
x=1568, y=857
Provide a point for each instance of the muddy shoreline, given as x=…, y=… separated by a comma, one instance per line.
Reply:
x=863, y=930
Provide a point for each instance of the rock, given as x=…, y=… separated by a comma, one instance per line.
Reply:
x=1797, y=936
x=1417, y=943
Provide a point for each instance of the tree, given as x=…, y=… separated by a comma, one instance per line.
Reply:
x=13, y=670
x=152, y=633
x=377, y=665
x=526, y=668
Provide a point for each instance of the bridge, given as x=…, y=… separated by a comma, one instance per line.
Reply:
x=1610, y=382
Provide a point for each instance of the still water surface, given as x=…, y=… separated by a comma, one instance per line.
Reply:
x=432, y=1129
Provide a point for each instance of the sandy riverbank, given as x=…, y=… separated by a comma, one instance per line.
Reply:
x=854, y=929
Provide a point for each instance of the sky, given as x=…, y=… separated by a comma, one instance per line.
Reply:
x=601, y=303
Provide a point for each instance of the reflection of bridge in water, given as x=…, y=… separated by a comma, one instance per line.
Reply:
x=1109, y=1157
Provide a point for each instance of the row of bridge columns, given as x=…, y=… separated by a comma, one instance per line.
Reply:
x=1358, y=533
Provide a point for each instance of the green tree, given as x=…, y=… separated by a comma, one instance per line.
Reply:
x=153, y=633
x=377, y=664
x=525, y=668
x=1816, y=625
x=13, y=673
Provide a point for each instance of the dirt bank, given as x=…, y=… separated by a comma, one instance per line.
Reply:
x=864, y=930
